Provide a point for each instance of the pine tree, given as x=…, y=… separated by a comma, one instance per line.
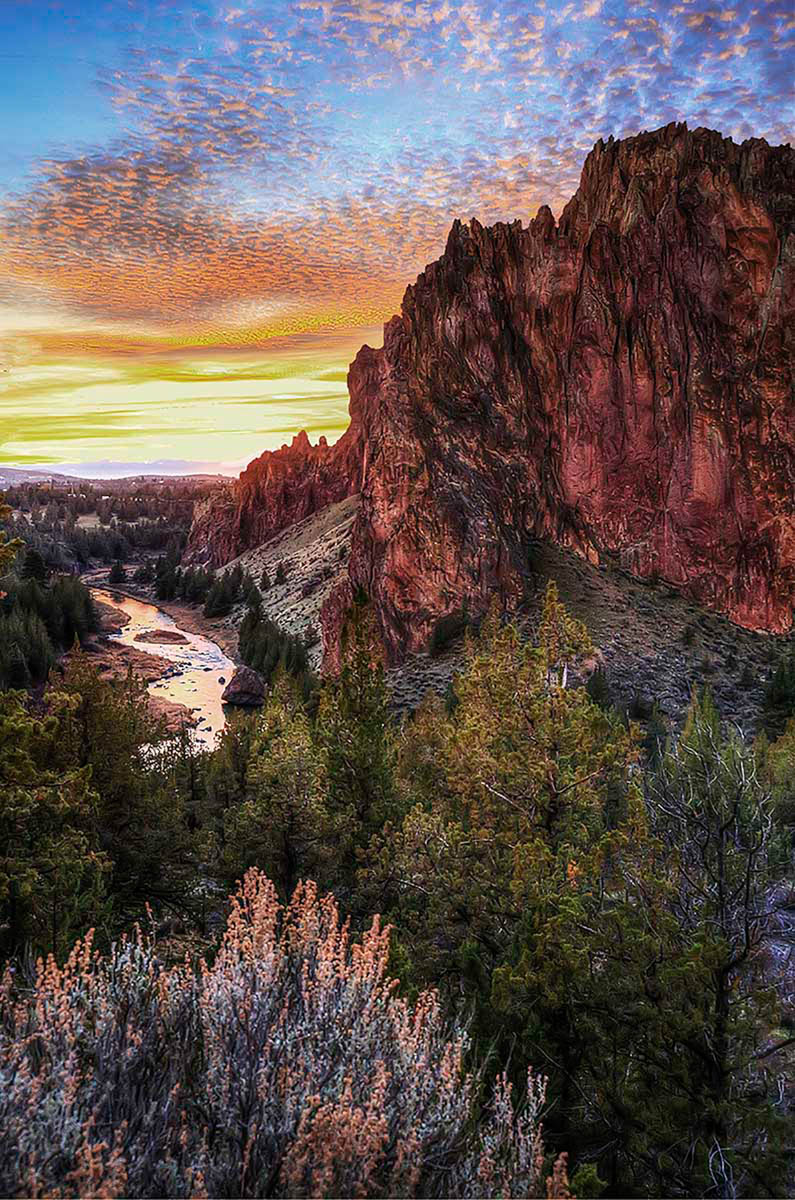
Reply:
x=356, y=735
x=144, y=826
x=52, y=871
x=529, y=792
x=8, y=549
x=33, y=566
x=283, y=826
x=117, y=575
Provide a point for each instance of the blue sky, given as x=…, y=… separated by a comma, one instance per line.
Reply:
x=215, y=175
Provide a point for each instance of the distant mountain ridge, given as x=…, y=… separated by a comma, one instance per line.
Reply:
x=619, y=382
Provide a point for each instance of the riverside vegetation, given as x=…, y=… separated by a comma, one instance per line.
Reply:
x=507, y=945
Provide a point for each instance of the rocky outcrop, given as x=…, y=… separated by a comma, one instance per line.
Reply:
x=275, y=491
x=246, y=689
x=619, y=382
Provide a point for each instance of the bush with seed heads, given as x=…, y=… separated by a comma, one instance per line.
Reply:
x=287, y=1067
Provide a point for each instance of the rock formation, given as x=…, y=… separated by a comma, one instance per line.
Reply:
x=620, y=382
x=246, y=689
x=275, y=491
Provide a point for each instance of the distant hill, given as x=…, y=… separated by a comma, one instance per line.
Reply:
x=10, y=476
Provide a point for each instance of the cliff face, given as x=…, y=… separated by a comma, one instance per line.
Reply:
x=275, y=491
x=619, y=382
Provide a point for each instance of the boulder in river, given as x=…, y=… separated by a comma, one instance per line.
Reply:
x=246, y=689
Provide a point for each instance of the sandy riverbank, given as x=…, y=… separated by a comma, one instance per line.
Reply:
x=113, y=660
x=188, y=616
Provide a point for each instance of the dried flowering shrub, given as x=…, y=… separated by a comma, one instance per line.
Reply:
x=287, y=1067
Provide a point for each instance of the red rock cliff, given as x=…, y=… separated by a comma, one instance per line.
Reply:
x=275, y=490
x=619, y=382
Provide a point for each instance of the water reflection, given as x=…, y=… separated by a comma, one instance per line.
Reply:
x=201, y=669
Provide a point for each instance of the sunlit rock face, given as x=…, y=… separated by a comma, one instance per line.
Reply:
x=275, y=491
x=621, y=381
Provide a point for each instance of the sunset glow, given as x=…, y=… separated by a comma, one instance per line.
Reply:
x=181, y=183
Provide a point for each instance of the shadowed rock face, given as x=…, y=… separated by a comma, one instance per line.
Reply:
x=621, y=382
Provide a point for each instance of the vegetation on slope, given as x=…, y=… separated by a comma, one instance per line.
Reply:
x=606, y=912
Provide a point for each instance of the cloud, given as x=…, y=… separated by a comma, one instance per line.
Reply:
x=291, y=164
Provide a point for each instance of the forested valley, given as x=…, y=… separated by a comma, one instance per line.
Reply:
x=512, y=943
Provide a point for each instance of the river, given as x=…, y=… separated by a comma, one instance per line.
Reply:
x=201, y=669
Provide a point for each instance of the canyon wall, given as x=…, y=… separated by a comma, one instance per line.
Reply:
x=275, y=491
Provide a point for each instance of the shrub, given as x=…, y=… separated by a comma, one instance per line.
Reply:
x=598, y=688
x=36, y=621
x=780, y=696
x=288, y=1067
x=117, y=574
x=219, y=600
x=265, y=646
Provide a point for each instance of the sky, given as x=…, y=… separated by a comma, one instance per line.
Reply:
x=206, y=208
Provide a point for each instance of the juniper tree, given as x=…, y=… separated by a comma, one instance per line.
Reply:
x=283, y=825
x=8, y=548
x=355, y=732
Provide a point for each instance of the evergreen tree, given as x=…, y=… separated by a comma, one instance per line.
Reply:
x=117, y=575
x=8, y=548
x=357, y=739
x=220, y=597
x=144, y=826
x=679, y=1010
x=526, y=795
x=52, y=870
x=283, y=826
x=33, y=566
x=780, y=697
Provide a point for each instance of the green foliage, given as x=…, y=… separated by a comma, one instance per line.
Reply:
x=267, y=648
x=33, y=566
x=153, y=518
x=586, y=1184
x=684, y=976
x=598, y=688
x=37, y=622
x=192, y=584
x=117, y=574
x=8, y=547
x=599, y=904
x=356, y=736
x=219, y=600
x=283, y=825
x=777, y=762
x=779, y=703
x=53, y=873
x=144, y=812
x=144, y=573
